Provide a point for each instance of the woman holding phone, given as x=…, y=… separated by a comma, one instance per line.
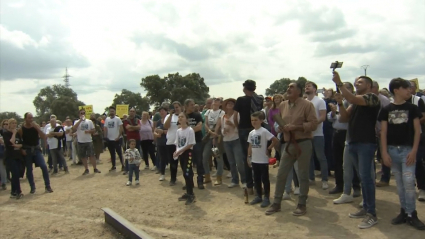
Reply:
x=170, y=124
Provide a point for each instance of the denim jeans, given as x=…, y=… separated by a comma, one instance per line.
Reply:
x=206, y=156
x=57, y=158
x=37, y=158
x=197, y=158
x=362, y=156
x=234, y=155
x=115, y=146
x=319, y=151
x=404, y=176
x=133, y=168
x=243, y=137
x=14, y=166
x=50, y=160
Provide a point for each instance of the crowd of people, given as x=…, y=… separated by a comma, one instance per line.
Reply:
x=345, y=132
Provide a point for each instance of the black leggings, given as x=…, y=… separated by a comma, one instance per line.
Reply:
x=186, y=165
x=148, y=148
x=173, y=163
x=261, y=175
x=163, y=158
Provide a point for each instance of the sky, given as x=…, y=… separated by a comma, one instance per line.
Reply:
x=108, y=46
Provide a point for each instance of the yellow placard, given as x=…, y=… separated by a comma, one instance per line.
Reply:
x=416, y=83
x=88, y=109
x=121, y=110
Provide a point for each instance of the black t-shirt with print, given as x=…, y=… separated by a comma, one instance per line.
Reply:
x=243, y=106
x=194, y=119
x=400, y=123
x=361, y=125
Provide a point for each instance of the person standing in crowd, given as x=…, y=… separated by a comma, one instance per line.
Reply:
x=244, y=107
x=195, y=122
x=46, y=131
x=112, y=132
x=400, y=136
x=318, y=138
x=161, y=142
x=414, y=90
x=146, y=136
x=132, y=127
x=328, y=129
x=43, y=143
x=84, y=129
x=274, y=110
x=338, y=146
x=170, y=125
x=68, y=136
x=300, y=120
x=97, y=138
x=54, y=140
x=132, y=156
x=31, y=134
x=267, y=106
x=208, y=105
x=360, y=149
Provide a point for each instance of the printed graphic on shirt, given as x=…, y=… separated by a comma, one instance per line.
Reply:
x=84, y=126
x=111, y=124
x=372, y=99
x=256, y=141
x=192, y=122
x=398, y=116
x=182, y=141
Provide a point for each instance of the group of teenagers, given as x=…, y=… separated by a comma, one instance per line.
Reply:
x=241, y=134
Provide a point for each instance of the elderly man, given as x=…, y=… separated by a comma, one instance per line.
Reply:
x=300, y=120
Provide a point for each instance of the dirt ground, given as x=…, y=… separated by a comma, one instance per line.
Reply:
x=73, y=210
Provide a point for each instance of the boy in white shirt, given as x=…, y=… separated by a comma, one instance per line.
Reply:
x=258, y=157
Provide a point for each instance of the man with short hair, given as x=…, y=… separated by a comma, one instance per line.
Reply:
x=55, y=135
x=132, y=127
x=318, y=137
x=360, y=147
x=113, y=130
x=46, y=131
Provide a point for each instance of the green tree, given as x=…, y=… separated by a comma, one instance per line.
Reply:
x=57, y=99
x=133, y=100
x=9, y=115
x=175, y=87
x=280, y=86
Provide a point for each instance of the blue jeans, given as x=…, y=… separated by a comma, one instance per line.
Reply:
x=319, y=151
x=133, y=168
x=197, y=158
x=37, y=158
x=14, y=167
x=404, y=176
x=234, y=155
x=361, y=156
x=206, y=156
x=243, y=137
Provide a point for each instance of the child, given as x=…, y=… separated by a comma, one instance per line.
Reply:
x=132, y=155
x=185, y=140
x=258, y=157
x=400, y=134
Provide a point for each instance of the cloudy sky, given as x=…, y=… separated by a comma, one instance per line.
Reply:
x=111, y=45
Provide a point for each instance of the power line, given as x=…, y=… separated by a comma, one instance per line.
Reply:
x=66, y=78
x=365, y=68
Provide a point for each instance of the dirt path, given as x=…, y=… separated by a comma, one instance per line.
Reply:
x=74, y=211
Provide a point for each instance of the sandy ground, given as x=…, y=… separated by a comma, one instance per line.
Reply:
x=74, y=210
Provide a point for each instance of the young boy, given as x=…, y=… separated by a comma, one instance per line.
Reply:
x=258, y=157
x=132, y=155
x=400, y=134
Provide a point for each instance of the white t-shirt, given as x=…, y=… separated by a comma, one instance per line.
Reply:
x=258, y=139
x=68, y=136
x=82, y=137
x=229, y=133
x=52, y=142
x=172, y=130
x=213, y=116
x=319, y=104
x=184, y=137
x=113, y=126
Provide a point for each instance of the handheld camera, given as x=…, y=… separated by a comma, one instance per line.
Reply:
x=335, y=65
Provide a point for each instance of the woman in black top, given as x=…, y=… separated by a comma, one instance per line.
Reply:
x=161, y=142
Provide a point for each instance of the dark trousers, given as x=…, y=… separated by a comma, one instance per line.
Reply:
x=328, y=135
x=133, y=168
x=243, y=136
x=261, y=178
x=115, y=146
x=50, y=160
x=338, y=146
x=197, y=159
x=170, y=149
x=148, y=149
x=186, y=165
x=14, y=165
x=162, y=155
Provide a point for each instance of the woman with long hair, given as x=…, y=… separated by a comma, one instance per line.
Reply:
x=274, y=110
x=170, y=125
x=146, y=140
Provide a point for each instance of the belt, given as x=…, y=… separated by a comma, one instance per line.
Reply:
x=295, y=142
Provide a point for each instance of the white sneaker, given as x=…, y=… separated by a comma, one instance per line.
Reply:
x=146, y=167
x=161, y=178
x=286, y=196
x=297, y=191
x=232, y=185
x=166, y=167
x=325, y=185
x=229, y=175
x=344, y=199
x=137, y=182
x=154, y=168
x=421, y=196
x=214, y=175
x=361, y=204
x=244, y=185
x=128, y=183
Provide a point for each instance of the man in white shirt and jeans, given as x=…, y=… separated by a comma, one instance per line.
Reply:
x=318, y=137
x=113, y=130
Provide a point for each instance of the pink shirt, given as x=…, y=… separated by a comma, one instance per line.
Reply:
x=146, y=130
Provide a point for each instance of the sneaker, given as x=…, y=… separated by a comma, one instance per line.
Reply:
x=191, y=199
x=361, y=204
x=382, y=184
x=137, y=182
x=128, y=183
x=32, y=190
x=357, y=193
x=360, y=214
x=172, y=183
x=184, y=197
x=54, y=173
x=273, y=209
x=229, y=175
x=232, y=185
x=266, y=202
x=125, y=173
x=154, y=168
x=336, y=190
x=214, y=175
x=301, y=210
x=50, y=170
x=146, y=167
x=325, y=185
x=162, y=178
x=344, y=198
x=48, y=190
x=96, y=170
x=112, y=169
x=86, y=172
x=415, y=222
x=400, y=219
x=201, y=186
x=19, y=196
x=421, y=196
x=297, y=191
x=244, y=185
x=368, y=222
x=286, y=196
x=256, y=201
x=13, y=195
x=157, y=172
x=166, y=167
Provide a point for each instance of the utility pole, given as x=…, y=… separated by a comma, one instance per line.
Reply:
x=365, y=69
x=66, y=78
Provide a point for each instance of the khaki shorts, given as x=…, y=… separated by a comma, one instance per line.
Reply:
x=85, y=150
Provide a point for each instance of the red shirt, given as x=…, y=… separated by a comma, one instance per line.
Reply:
x=132, y=134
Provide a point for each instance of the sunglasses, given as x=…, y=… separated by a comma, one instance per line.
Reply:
x=82, y=113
